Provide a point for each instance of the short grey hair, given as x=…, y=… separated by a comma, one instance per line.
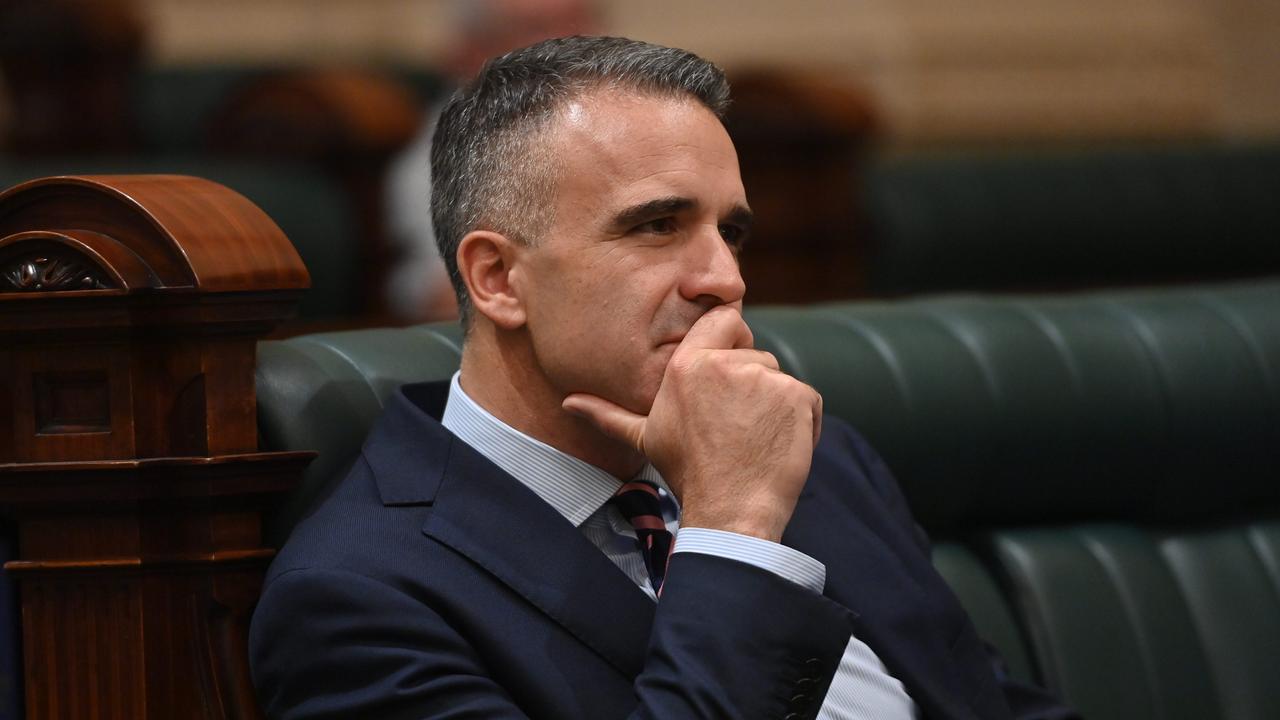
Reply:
x=489, y=169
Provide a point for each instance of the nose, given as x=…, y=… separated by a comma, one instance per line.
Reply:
x=712, y=275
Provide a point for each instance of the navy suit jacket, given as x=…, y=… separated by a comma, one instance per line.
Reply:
x=431, y=584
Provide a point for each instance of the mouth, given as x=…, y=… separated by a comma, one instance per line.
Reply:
x=674, y=334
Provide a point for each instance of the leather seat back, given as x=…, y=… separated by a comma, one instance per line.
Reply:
x=1110, y=458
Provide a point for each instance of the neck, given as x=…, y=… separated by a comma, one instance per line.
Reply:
x=500, y=373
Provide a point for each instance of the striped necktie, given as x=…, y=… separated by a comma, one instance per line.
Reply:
x=638, y=502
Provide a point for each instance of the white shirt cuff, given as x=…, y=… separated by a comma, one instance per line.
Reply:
x=785, y=562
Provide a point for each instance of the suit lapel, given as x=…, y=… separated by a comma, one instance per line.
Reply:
x=505, y=528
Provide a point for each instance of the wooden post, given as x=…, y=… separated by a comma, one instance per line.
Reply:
x=130, y=309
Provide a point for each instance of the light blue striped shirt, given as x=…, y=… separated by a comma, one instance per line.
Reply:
x=862, y=688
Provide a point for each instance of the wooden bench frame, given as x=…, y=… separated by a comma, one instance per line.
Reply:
x=130, y=310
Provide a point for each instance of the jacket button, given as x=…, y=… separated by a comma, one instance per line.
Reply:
x=791, y=716
x=799, y=700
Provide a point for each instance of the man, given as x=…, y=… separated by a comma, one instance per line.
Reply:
x=588, y=202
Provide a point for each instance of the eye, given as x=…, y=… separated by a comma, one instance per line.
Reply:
x=734, y=235
x=660, y=226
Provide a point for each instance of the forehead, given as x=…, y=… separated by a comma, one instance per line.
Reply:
x=615, y=147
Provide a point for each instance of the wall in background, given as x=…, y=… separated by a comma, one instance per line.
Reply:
x=987, y=70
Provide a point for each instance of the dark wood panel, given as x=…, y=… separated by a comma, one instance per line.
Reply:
x=130, y=309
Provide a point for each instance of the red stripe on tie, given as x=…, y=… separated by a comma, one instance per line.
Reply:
x=639, y=502
x=637, y=485
x=648, y=522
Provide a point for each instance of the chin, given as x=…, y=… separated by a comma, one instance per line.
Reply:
x=637, y=393
x=639, y=396
x=637, y=402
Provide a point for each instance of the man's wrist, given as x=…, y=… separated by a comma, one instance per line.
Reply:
x=764, y=524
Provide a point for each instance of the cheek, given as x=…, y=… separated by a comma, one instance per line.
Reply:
x=605, y=321
x=621, y=306
x=643, y=387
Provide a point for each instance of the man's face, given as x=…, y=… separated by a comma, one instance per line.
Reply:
x=649, y=215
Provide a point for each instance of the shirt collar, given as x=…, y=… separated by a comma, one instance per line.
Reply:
x=575, y=489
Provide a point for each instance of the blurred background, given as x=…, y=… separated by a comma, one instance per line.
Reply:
x=889, y=147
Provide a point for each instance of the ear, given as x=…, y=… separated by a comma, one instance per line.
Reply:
x=485, y=261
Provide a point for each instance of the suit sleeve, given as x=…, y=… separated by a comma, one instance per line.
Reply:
x=336, y=644
x=1028, y=702
x=729, y=640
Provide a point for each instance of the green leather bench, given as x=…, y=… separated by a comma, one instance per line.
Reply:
x=1099, y=470
x=1060, y=218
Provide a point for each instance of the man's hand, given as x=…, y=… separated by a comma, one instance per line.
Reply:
x=730, y=432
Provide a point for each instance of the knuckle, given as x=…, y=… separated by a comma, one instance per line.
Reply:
x=721, y=362
x=683, y=362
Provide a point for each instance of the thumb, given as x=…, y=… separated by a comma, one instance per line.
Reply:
x=612, y=420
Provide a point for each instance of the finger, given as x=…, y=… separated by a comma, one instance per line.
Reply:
x=747, y=356
x=612, y=420
x=720, y=328
x=759, y=357
x=817, y=417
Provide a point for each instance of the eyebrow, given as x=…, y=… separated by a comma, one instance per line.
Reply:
x=649, y=210
x=660, y=207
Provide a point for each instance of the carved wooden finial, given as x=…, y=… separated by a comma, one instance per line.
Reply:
x=164, y=283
